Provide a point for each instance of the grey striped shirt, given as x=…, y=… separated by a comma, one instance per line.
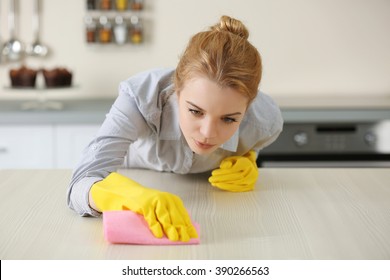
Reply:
x=142, y=131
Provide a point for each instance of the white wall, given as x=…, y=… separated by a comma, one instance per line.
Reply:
x=308, y=46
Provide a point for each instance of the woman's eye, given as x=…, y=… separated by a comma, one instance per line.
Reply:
x=195, y=112
x=229, y=120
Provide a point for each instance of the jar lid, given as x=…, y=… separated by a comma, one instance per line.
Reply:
x=89, y=21
x=103, y=20
x=134, y=20
x=118, y=19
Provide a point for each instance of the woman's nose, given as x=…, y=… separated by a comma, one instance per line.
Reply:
x=208, y=128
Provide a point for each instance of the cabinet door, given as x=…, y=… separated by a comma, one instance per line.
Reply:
x=70, y=141
x=26, y=146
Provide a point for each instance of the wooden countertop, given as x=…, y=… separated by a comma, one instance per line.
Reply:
x=292, y=214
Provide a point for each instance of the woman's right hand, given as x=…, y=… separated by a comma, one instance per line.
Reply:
x=164, y=212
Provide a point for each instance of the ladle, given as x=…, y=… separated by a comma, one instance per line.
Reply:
x=37, y=48
x=13, y=49
x=1, y=55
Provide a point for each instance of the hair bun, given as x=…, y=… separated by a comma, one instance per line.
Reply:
x=232, y=25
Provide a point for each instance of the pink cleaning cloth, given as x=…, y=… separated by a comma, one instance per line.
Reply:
x=127, y=227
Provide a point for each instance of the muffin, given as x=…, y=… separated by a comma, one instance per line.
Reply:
x=23, y=77
x=57, y=77
x=66, y=77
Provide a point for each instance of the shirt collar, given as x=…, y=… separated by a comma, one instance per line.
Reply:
x=232, y=144
x=169, y=127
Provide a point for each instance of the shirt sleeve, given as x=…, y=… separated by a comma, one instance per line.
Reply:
x=106, y=152
x=266, y=123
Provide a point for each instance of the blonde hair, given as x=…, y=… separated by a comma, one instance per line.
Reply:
x=224, y=55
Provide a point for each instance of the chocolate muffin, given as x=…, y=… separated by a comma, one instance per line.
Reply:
x=57, y=77
x=23, y=77
x=66, y=77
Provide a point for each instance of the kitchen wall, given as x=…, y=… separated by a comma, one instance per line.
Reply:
x=309, y=47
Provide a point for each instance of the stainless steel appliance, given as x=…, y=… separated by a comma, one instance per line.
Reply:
x=331, y=138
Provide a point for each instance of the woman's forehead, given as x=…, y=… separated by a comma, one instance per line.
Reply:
x=208, y=95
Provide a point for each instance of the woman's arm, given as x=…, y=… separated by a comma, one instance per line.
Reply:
x=106, y=152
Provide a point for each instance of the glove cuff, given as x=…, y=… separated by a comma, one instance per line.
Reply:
x=111, y=192
x=252, y=156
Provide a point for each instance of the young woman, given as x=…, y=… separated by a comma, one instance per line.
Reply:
x=207, y=114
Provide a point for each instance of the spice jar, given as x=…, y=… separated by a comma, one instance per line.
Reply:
x=105, y=4
x=120, y=30
x=91, y=4
x=136, y=32
x=90, y=27
x=121, y=5
x=104, y=30
x=137, y=5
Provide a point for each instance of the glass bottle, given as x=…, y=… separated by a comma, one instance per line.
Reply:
x=137, y=5
x=90, y=27
x=105, y=32
x=121, y=5
x=136, y=32
x=120, y=30
x=105, y=4
x=91, y=4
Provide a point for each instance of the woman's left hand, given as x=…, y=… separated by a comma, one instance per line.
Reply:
x=236, y=173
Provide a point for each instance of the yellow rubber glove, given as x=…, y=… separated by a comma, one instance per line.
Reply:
x=164, y=212
x=236, y=173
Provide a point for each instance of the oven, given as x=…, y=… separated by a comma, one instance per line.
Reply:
x=331, y=139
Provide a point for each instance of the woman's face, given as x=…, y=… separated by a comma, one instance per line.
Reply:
x=208, y=114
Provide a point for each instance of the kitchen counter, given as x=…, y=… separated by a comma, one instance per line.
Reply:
x=292, y=214
x=72, y=111
x=332, y=101
x=297, y=109
x=328, y=108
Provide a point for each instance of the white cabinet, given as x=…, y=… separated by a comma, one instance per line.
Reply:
x=43, y=146
x=70, y=141
x=26, y=146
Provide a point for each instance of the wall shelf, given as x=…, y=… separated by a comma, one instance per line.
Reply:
x=114, y=26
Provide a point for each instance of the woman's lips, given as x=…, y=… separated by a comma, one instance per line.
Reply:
x=203, y=145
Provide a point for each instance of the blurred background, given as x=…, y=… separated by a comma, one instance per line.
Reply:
x=325, y=62
x=309, y=47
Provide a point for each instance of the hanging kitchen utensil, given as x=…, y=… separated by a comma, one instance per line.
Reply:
x=37, y=48
x=13, y=49
x=1, y=55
